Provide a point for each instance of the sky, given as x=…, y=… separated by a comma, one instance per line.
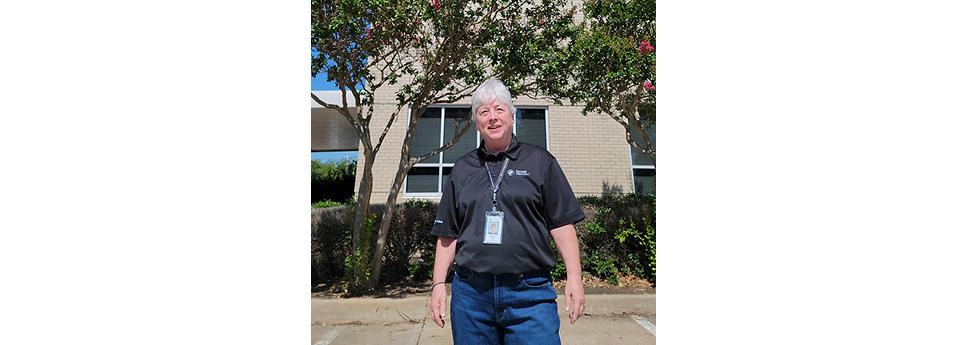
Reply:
x=334, y=156
x=319, y=83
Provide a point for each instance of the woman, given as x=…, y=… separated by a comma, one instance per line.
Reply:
x=502, y=291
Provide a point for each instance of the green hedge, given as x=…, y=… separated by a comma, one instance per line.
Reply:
x=409, y=250
x=410, y=247
x=332, y=181
x=327, y=203
x=618, y=236
x=328, y=247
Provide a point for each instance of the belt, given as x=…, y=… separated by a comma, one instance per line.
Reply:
x=472, y=274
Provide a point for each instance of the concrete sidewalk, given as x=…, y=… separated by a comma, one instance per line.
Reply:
x=611, y=319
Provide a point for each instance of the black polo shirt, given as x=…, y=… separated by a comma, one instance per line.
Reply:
x=534, y=195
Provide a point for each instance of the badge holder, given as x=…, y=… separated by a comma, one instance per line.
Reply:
x=494, y=219
x=493, y=224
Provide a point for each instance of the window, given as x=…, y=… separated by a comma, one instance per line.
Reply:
x=530, y=126
x=435, y=127
x=643, y=167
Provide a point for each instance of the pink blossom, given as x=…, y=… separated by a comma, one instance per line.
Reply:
x=646, y=47
x=436, y=4
x=648, y=85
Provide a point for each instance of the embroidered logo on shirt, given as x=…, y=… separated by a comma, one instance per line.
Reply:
x=513, y=172
x=438, y=221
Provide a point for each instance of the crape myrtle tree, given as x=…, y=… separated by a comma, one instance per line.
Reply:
x=610, y=67
x=350, y=51
x=432, y=52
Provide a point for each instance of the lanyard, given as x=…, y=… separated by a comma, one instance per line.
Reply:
x=494, y=187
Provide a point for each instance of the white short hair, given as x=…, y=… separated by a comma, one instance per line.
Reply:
x=490, y=90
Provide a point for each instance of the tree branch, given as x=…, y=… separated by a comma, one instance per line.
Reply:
x=393, y=117
x=460, y=128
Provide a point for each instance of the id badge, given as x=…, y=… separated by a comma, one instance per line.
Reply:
x=493, y=227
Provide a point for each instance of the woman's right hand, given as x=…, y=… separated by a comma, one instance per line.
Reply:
x=443, y=258
x=438, y=298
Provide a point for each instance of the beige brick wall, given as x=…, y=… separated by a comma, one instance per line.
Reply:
x=590, y=149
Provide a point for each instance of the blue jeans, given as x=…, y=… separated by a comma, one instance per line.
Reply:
x=503, y=309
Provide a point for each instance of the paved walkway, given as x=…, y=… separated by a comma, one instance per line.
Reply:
x=608, y=319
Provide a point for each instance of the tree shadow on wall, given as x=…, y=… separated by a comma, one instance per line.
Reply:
x=611, y=190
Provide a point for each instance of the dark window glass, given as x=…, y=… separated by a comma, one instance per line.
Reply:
x=638, y=158
x=644, y=180
x=422, y=180
x=531, y=126
x=426, y=136
x=467, y=141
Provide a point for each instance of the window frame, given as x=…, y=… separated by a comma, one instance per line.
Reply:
x=440, y=165
x=637, y=166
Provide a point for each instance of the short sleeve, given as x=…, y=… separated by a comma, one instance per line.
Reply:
x=445, y=223
x=560, y=205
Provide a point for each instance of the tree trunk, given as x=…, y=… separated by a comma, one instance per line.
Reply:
x=363, y=198
x=402, y=169
x=405, y=164
x=377, y=261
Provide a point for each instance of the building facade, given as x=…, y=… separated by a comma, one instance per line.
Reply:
x=591, y=150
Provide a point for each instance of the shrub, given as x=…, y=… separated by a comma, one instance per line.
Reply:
x=618, y=236
x=357, y=263
x=410, y=246
x=326, y=203
x=330, y=242
x=409, y=250
x=332, y=180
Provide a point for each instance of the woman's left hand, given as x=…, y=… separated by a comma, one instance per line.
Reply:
x=574, y=298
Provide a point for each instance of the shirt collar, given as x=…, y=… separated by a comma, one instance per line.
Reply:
x=512, y=152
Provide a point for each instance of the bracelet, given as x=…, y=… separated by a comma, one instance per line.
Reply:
x=435, y=285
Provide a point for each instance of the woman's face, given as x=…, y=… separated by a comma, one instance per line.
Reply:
x=494, y=121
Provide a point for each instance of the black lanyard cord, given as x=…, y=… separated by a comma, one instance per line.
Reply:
x=495, y=187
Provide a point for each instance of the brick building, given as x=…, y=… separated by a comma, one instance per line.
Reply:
x=591, y=149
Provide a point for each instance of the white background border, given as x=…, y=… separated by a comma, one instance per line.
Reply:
x=155, y=184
